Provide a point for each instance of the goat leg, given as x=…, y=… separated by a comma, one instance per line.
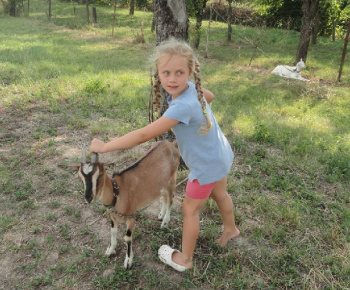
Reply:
x=114, y=232
x=167, y=202
x=166, y=207
x=130, y=225
x=164, y=201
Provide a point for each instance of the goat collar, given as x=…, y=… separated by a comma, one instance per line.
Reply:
x=113, y=210
x=115, y=194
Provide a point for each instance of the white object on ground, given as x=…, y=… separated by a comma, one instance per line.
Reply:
x=291, y=72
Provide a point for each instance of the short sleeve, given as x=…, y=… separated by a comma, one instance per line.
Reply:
x=178, y=111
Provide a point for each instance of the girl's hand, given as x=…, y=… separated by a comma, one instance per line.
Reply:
x=97, y=146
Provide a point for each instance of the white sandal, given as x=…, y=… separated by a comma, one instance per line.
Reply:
x=165, y=255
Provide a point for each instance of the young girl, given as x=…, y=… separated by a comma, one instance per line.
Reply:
x=202, y=144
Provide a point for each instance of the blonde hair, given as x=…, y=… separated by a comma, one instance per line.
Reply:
x=172, y=47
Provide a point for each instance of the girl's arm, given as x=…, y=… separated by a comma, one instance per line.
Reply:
x=157, y=128
x=208, y=95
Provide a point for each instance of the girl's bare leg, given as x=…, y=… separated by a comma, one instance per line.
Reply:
x=225, y=205
x=191, y=209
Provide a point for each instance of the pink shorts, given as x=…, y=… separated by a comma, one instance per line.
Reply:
x=196, y=191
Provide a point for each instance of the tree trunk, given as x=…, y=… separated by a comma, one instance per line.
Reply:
x=94, y=15
x=334, y=26
x=49, y=15
x=344, y=52
x=317, y=22
x=87, y=12
x=171, y=19
x=114, y=14
x=132, y=7
x=310, y=8
x=208, y=32
x=315, y=28
x=153, y=25
x=199, y=6
x=229, y=20
x=12, y=8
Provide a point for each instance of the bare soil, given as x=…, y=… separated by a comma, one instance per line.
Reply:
x=50, y=238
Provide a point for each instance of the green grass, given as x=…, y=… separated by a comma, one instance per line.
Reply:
x=64, y=82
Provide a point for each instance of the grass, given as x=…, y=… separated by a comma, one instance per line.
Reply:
x=64, y=82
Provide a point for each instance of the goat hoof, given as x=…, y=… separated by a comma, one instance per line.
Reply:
x=165, y=222
x=127, y=264
x=110, y=252
x=128, y=267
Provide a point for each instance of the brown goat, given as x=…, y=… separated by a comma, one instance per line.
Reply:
x=152, y=176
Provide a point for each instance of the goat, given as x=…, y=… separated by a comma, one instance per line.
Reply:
x=292, y=72
x=152, y=176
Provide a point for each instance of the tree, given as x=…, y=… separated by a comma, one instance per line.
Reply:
x=331, y=18
x=132, y=7
x=10, y=6
x=114, y=14
x=317, y=21
x=171, y=19
x=285, y=14
x=344, y=51
x=229, y=20
x=309, y=9
x=49, y=13
x=198, y=7
x=335, y=12
x=87, y=12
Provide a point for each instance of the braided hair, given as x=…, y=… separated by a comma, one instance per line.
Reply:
x=176, y=47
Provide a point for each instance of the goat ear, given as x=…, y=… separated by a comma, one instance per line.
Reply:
x=70, y=167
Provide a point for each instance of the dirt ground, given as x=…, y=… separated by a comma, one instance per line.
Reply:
x=50, y=237
x=46, y=223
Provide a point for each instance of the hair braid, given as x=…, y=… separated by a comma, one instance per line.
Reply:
x=204, y=128
x=157, y=94
x=198, y=85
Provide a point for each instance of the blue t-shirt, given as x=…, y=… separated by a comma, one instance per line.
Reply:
x=209, y=157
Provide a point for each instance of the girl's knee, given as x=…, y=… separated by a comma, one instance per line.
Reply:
x=224, y=201
x=192, y=206
x=220, y=196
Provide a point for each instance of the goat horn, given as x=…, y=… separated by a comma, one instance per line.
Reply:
x=83, y=155
x=94, y=157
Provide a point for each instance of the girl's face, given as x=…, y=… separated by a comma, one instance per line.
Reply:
x=174, y=73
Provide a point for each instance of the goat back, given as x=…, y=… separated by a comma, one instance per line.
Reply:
x=155, y=171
